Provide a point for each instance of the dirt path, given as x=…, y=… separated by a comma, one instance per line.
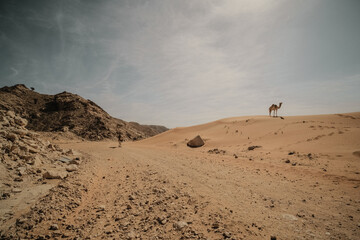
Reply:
x=160, y=193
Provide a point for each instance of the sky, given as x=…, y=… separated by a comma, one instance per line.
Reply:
x=184, y=62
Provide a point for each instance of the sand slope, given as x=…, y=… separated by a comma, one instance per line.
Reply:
x=301, y=183
x=333, y=137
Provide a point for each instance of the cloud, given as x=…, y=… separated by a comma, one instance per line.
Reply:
x=186, y=62
x=15, y=72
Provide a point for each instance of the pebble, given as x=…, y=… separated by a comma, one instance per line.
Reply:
x=51, y=174
x=16, y=190
x=215, y=225
x=101, y=208
x=289, y=217
x=180, y=225
x=54, y=227
x=71, y=168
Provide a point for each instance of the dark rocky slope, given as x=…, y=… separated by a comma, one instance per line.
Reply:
x=70, y=112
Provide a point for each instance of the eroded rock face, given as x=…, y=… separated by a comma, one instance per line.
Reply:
x=25, y=158
x=68, y=112
x=19, y=146
x=196, y=142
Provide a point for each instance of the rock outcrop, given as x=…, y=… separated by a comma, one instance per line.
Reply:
x=20, y=147
x=70, y=112
x=26, y=159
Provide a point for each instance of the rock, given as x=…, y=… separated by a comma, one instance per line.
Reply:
x=5, y=196
x=54, y=227
x=196, y=142
x=131, y=235
x=253, y=147
x=63, y=107
x=12, y=137
x=287, y=161
x=272, y=238
x=32, y=150
x=21, y=121
x=22, y=171
x=74, y=161
x=161, y=219
x=215, y=225
x=34, y=161
x=101, y=208
x=217, y=151
x=227, y=235
x=18, y=179
x=20, y=221
x=70, y=152
x=52, y=174
x=16, y=190
x=71, y=168
x=58, y=148
x=356, y=153
x=51, y=147
x=180, y=225
x=20, y=132
x=64, y=159
x=289, y=217
x=10, y=114
x=14, y=149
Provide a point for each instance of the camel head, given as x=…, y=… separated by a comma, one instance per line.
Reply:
x=280, y=104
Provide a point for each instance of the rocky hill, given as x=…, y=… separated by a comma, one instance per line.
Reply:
x=70, y=112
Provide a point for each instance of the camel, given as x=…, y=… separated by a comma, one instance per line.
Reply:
x=274, y=108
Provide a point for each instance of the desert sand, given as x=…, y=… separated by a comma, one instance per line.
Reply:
x=299, y=179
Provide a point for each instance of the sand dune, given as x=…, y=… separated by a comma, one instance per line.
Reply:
x=300, y=180
x=335, y=135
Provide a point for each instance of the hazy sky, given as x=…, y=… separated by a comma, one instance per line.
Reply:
x=185, y=62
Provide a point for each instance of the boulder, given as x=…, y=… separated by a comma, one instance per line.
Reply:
x=196, y=142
